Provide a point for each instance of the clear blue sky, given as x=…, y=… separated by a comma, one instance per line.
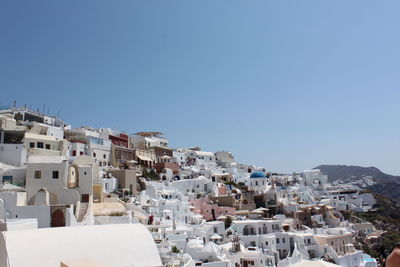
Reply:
x=283, y=84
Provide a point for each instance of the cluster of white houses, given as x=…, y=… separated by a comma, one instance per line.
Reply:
x=107, y=198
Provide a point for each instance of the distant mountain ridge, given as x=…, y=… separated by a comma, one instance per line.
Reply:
x=384, y=184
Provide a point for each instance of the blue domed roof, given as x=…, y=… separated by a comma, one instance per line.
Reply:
x=257, y=174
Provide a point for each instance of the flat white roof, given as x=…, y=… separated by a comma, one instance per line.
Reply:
x=46, y=159
x=40, y=137
x=204, y=153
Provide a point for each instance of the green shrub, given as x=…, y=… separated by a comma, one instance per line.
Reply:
x=228, y=222
x=117, y=213
x=174, y=249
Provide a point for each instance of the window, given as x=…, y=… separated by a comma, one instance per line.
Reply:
x=104, y=156
x=73, y=153
x=94, y=155
x=215, y=230
x=47, y=146
x=39, y=144
x=31, y=145
x=277, y=240
x=266, y=243
x=283, y=240
x=97, y=141
x=55, y=174
x=7, y=178
x=81, y=153
x=38, y=174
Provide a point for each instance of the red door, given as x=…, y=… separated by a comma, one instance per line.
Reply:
x=57, y=218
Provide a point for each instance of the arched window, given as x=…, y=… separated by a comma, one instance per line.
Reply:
x=265, y=231
x=246, y=230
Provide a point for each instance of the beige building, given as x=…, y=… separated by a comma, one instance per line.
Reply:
x=53, y=180
x=126, y=179
x=338, y=242
x=39, y=144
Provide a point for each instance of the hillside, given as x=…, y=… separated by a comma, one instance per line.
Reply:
x=370, y=178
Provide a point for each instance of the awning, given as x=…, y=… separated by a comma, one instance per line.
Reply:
x=144, y=158
x=11, y=187
x=241, y=212
x=215, y=237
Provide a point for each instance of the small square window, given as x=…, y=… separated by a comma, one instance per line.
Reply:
x=40, y=144
x=31, y=144
x=55, y=174
x=38, y=174
x=47, y=146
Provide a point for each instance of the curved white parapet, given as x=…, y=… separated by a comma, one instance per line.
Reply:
x=114, y=245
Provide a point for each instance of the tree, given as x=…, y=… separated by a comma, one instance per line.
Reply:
x=228, y=222
x=152, y=174
x=174, y=249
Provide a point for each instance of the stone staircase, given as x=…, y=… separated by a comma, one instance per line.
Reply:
x=82, y=211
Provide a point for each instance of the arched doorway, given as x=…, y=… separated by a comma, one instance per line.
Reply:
x=73, y=176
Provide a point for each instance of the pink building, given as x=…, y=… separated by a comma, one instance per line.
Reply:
x=222, y=190
x=210, y=211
